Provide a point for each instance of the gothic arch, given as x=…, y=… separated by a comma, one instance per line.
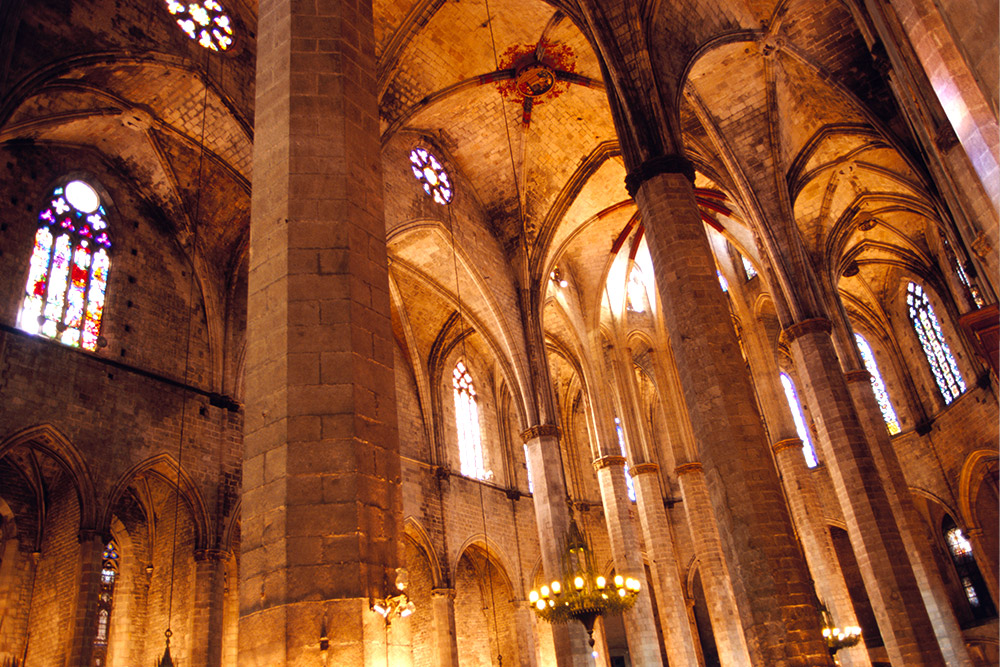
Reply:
x=48, y=440
x=969, y=481
x=165, y=467
x=416, y=534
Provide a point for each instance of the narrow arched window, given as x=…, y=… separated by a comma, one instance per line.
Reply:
x=800, y=421
x=969, y=576
x=68, y=269
x=878, y=386
x=629, y=484
x=636, y=291
x=470, y=446
x=105, y=602
x=939, y=357
x=748, y=268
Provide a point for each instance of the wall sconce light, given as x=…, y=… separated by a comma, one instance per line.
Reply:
x=556, y=277
x=398, y=605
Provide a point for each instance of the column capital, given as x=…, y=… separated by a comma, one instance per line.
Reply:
x=608, y=461
x=663, y=164
x=787, y=443
x=91, y=534
x=684, y=468
x=443, y=593
x=861, y=375
x=814, y=325
x=539, y=431
x=218, y=555
x=643, y=468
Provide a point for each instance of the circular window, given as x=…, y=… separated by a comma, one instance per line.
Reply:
x=82, y=197
x=431, y=175
x=205, y=22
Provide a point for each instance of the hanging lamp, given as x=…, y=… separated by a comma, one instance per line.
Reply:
x=581, y=594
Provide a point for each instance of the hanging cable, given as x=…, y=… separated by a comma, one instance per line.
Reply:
x=166, y=660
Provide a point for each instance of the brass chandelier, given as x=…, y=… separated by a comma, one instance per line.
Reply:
x=582, y=594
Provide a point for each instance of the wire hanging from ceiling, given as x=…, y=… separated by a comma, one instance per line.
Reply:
x=167, y=660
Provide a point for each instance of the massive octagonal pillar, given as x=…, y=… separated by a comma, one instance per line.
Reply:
x=321, y=480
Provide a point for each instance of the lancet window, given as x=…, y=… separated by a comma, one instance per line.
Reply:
x=808, y=450
x=470, y=445
x=878, y=386
x=939, y=357
x=68, y=268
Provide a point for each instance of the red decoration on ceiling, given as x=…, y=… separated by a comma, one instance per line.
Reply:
x=525, y=58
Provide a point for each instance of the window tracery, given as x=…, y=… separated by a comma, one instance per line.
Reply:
x=878, y=386
x=939, y=357
x=68, y=268
x=799, y=417
x=206, y=22
x=470, y=447
x=431, y=175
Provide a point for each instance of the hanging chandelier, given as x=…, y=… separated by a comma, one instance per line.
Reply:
x=582, y=594
x=838, y=638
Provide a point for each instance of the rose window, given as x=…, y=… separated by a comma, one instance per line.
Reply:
x=431, y=175
x=205, y=22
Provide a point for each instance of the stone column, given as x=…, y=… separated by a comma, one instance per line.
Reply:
x=445, y=636
x=663, y=565
x=640, y=630
x=552, y=521
x=817, y=545
x=714, y=575
x=321, y=474
x=773, y=590
x=911, y=526
x=525, y=626
x=875, y=538
x=88, y=580
x=209, y=598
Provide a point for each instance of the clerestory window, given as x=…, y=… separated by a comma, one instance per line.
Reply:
x=68, y=268
x=470, y=446
x=878, y=386
x=939, y=357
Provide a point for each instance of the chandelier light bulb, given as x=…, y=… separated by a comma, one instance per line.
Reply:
x=601, y=582
x=533, y=597
x=622, y=592
x=619, y=581
x=556, y=588
x=578, y=583
x=540, y=604
x=545, y=591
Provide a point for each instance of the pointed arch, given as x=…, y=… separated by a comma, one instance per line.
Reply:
x=165, y=467
x=47, y=439
x=490, y=551
x=973, y=471
x=413, y=530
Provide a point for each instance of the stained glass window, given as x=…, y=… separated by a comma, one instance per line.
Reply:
x=428, y=170
x=105, y=600
x=629, y=484
x=963, y=276
x=636, y=292
x=939, y=357
x=470, y=446
x=722, y=281
x=799, y=418
x=748, y=268
x=206, y=22
x=973, y=584
x=878, y=386
x=68, y=268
